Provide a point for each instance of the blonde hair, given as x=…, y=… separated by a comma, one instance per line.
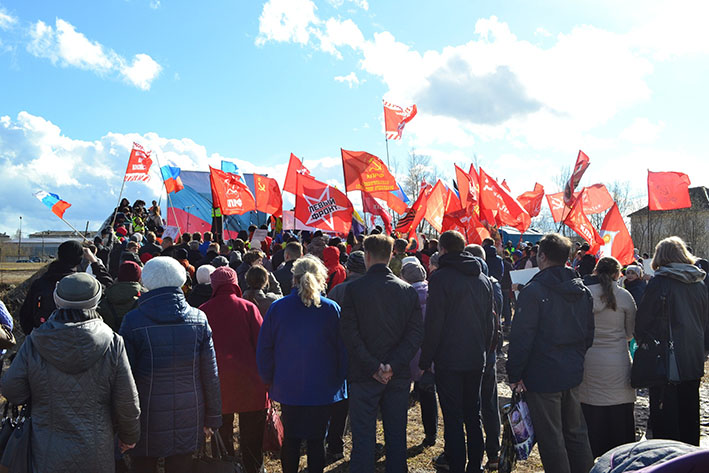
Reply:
x=671, y=250
x=310, y=277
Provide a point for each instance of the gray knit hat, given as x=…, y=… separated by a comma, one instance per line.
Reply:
x=77, y=291
x=413, y=272
x=355, y=262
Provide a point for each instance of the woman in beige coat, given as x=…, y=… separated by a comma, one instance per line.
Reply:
x=606, y=397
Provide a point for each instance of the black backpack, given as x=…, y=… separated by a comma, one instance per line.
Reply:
x=43, y=304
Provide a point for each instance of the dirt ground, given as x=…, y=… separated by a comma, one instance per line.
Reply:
x=16, y=273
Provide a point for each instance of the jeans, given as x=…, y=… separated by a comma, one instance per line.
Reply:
x=173, y=464
x=490, y=409
x=251, y=426
x=560, y=430
x=459, y=395
x=366, y=399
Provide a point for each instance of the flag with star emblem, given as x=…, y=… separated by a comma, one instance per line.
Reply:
x=366, y=172
x=322, y=206
x=267, y=195
x=229, y=193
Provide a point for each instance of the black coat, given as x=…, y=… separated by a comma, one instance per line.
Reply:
x=688, y=309
x=381, y=322
x=636, y=289
x=551, y=331
x=459, y=315
x=151, y=248
x=284, y=276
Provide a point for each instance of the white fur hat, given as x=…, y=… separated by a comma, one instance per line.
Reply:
x=203, y=274
x=163, y=271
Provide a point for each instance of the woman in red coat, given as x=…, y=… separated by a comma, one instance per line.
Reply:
x=235, y=324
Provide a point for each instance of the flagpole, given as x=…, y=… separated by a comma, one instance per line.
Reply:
x=386, y=140
x=169, y=200
x=120, y=195
x=73, y=228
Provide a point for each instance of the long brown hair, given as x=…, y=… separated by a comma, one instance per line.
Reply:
x=606, y=271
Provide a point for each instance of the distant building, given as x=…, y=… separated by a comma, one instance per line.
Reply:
x=691, y=224
x=42, y=245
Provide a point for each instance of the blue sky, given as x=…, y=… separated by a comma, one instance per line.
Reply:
x=522, y=88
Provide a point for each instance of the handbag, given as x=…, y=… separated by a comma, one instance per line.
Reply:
x=220, y=462
x=518, y=437
x=654, y=356
x=273, y=431
x=17, y=456
x=7, y=425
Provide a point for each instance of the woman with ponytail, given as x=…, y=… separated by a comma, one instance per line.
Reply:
x=302, y=359
x=607, y=399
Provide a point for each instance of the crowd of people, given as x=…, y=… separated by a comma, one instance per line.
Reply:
x=139, y=347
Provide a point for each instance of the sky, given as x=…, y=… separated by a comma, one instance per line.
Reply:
x=519, y=88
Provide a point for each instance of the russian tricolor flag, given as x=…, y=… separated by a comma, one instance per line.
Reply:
x=171, y=176
x=55, y=204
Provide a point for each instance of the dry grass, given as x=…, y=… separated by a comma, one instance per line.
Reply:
x=16, y=273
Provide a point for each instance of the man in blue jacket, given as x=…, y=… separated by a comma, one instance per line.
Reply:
x=551, y=331
x=171, y=353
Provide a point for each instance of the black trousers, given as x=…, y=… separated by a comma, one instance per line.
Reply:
x=336, y=428
x=490, y=409
x=304, y=423
x=173, y=464
x=429, y=411
x=251, y=426
x=459, y=395
x=674, y=412
x=609, y=426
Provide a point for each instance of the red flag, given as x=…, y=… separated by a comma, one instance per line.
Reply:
x=409, y=222
x=139, y=164
x=504, y=184
x=366, y=172
x=578, y=222
x=229, y=194
x=508, y=210
x=436, y=206
x=322, y=206
x=488, y=199
x=295, y=167
x=394, y=203
x=580, y=167
x=616, y=238
x=395, y=118
x=267, y=195
x=468, y=189
x=532, y=200
x=467, y=224
x=595, y=199
x=668, y=190
x=371, y=206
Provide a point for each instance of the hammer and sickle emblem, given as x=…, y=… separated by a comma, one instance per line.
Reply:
x=374, y=164
x=261, y=186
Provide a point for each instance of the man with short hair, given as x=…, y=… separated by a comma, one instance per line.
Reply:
x=284, y=274
x=205, y=244
x=168, y=248
x=150, y=246
x=458, y=334
x=382, y=329
x=551, y=331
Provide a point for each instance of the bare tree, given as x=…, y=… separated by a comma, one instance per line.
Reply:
x=418, y=169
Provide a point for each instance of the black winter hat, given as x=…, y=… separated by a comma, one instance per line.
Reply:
x=70, y=253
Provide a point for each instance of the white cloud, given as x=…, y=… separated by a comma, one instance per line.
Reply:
x=351, y=79
x=65, y=46
x=34, y=155
x=541, y=31
x=287, y=21
x=154, y=4
x=642, y=131
x=363, y=4
x=7, y=21
x=339, y=33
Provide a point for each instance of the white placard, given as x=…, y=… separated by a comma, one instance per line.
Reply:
x=259, y=235
x=171, y=231
x=523, y=276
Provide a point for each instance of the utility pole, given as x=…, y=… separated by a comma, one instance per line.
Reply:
x=19, y=242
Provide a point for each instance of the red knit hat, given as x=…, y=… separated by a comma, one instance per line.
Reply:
x=122, y=231
x=129, y=271
x=145, y=257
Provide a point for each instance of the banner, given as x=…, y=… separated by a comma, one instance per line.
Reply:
x=139, y=164
x=616, y=238
x=372, y=207
x=595, y=199
x=295, y=168
x=578, y=222
x=532, y=200
x=366, y=172
x=267, y=195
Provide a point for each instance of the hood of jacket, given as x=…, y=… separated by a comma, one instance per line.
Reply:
x=164, y=305
x=72, y=347
x=563, y=281
x=57, y=270
x=123, y=292
x=462, y=262
x=686, y=273
x=331, y=257
x=226, y=289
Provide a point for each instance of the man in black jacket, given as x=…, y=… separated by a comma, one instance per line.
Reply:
x=458, y=335
x=284, y=275
x=551, y=331
x=382, y=329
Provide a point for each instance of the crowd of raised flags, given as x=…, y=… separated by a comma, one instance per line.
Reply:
x=476, y=205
